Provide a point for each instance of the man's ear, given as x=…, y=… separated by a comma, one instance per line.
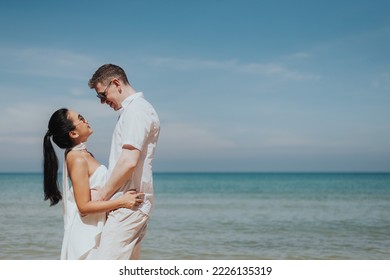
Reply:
x=117, y=83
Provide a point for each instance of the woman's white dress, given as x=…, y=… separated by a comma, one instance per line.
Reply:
x=81, y=233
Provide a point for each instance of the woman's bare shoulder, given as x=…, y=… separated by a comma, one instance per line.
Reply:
x=75, y=159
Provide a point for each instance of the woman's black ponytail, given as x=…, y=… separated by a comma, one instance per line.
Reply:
x=59, y=128
x=50, y=171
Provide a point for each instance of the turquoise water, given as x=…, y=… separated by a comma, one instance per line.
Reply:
x=225, y=216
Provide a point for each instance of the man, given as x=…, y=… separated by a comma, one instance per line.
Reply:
x=130, y=165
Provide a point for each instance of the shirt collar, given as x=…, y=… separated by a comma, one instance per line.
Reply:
x=129, y=99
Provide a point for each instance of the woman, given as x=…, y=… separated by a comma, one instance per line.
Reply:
x=83, y=218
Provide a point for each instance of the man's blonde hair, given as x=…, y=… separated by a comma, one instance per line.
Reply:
x=107, y=72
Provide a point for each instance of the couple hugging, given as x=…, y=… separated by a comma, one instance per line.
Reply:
x=105, y=210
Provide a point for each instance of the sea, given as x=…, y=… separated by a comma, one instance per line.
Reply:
x=224, y=216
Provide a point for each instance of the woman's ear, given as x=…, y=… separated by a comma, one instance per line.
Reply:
x=73, y=134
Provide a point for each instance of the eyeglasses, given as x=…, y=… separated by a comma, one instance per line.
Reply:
x=81, y=120
x=103, y=95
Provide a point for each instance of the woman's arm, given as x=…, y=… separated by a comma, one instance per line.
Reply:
x=78, y=173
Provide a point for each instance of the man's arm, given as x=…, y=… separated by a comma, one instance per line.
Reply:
x=122, y=171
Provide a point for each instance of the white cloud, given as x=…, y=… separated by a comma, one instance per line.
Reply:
x=300, y=55
x=260, y=69
x=22, y=119
x=46, y=62
x=187, y=140
x=78, y=92
x=382, y=82
x=276, y=70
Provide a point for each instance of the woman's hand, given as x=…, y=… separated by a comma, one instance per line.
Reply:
x=132, y=199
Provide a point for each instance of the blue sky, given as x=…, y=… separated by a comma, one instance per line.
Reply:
x=239, y=85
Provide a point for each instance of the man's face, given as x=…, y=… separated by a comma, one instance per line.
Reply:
x=108, y=94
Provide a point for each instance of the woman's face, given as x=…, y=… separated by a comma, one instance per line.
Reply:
x=82, y=129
